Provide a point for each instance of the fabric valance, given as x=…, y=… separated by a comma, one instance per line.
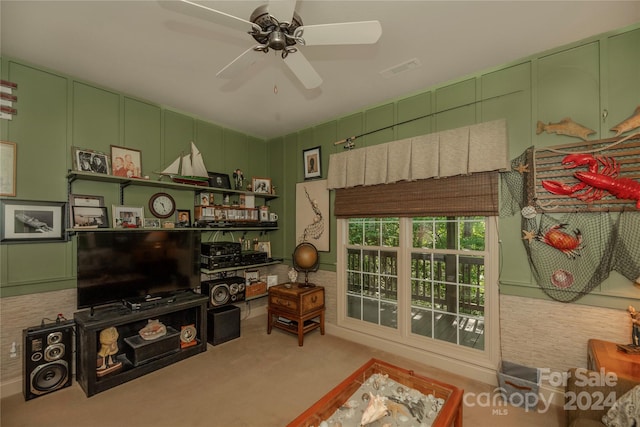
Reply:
x=478, y=148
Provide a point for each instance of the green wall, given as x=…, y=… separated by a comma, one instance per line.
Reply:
x=580, y=80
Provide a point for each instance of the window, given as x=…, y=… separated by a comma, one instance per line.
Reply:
x=421, y=281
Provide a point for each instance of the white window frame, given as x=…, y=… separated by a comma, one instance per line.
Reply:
x=488, y=357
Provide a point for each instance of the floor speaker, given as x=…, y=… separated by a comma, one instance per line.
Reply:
x=48, y=355
x=223, y=324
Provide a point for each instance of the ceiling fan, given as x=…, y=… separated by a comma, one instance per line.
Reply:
x=278, y=27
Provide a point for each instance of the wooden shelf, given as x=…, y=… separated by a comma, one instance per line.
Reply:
x=124, y=182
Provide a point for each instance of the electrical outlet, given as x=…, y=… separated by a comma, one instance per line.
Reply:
x=13, y=352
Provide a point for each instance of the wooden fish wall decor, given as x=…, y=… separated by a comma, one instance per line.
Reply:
x=565, y=126
x=631, y=123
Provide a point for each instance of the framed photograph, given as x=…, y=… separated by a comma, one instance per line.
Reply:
x=183, y=218
x=8, y=152
x=89, y=217
x=152, y=223
x=126, y=162
x=219, y=180
x=85, y=160
x=32, y=221
x=264, y=247
x=86, y=200
x=127, y=216
x=261, y=185
x=311, y=163
x=251, y=276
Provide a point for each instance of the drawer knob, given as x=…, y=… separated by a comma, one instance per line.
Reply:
x=314, y=298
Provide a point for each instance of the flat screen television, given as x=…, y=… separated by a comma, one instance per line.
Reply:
x=116, y=266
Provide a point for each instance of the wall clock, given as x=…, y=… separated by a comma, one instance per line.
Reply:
x=162, y=205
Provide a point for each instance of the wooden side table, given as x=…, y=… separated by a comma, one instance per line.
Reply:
x=296, y=309
x=605, y=354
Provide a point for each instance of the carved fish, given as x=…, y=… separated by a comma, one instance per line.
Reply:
x=565, y=126
x=631, y=123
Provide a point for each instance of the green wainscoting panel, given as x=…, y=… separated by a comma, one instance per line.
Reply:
x=325, y=136
x=279, y=175
x=291, y=161
x=623, y=79
x=178, y=134
x=40, y=132
x=568, y=85
x=39, y=262
x=96, y=117
x=502, y=82
x=379, y=118
x=455, y=95
x=416, y=111
x=236, y=154
x=210, y=142
x=456, y=117
x=142, y=131
x=256, y=158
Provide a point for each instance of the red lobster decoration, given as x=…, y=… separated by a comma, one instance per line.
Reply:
x=595, y=182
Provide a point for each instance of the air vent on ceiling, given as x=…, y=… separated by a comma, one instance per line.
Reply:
x=401, y=68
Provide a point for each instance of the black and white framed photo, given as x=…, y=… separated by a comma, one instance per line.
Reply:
x=85, y=160
x=32, y=221
x=152, y=223
x=261, y=185
x=126, y=162
x=128, y=216
x=311, y=163
x=219, y=180
x=89, y=217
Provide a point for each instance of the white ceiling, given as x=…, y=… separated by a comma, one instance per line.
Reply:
x=148, y=51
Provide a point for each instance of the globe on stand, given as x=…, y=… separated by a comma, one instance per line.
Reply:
x=305, y=260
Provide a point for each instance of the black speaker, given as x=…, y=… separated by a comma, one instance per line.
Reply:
x=48, y=355
x=223, y=324
x=227, y=290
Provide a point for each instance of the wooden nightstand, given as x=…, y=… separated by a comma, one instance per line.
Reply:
x=605, y=354
x=296, y=309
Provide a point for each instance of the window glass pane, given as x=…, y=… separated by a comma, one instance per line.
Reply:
x=356, y=231
x=390, y=232
x=423, y=233
x=354, y=308
x=388, y=314
x=472, y=233
x=421, y=322
x=446, y=327
x=370, y=310
x=441, y=235
x=371, y=232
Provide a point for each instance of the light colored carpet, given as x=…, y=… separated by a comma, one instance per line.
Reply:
x=255, y=380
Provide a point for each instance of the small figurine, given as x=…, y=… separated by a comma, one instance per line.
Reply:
x=108, y=350
x=238, y=178
x=635, y=326
x=293, y=275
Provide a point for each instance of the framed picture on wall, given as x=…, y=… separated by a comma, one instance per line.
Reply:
x=126, y=162
x=32, y=221
x=311, y=163
x=85, y=160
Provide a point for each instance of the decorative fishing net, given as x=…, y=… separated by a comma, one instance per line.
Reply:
x=595, y=243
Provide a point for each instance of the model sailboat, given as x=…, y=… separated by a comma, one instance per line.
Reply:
x=188, y=169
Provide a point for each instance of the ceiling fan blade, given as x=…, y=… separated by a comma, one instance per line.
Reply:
x=282, y=10
x=199, y=11
x=303, y=70
x=245, y=60
x=364, y=32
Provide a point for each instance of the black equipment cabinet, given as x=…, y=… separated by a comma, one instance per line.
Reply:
x=182, y=314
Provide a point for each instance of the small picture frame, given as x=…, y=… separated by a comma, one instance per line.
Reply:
x=311, y=162
x=219, y=180
x=264, y=247
x=128, y=216
x=152, y=223
x=126, y=162
x=251, y=276
x=89, y=217
x=90, y=161
x=183, y=218
x=261, y=185
x=8, y=162
x=86, y=200
x=32, y=221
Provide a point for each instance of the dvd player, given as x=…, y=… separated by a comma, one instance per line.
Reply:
x=150, y=301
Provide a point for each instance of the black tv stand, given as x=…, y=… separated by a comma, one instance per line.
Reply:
x=188, y=309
